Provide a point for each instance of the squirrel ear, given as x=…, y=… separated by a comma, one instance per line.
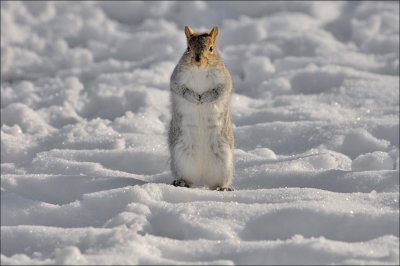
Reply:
x=188, y=32
x=213, y=33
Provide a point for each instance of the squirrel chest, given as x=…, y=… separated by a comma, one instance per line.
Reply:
x=200, y=121
x=200, y=80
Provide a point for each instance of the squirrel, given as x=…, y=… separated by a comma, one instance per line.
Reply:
x=200, y=135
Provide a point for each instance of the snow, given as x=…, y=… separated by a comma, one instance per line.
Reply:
x=84, y=113
x=376, y=160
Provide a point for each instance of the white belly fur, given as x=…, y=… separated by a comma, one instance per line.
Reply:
x=202, y=156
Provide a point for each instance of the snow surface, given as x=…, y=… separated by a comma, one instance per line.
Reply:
x=85, y=109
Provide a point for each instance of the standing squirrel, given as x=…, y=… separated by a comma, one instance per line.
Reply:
x=200, y=136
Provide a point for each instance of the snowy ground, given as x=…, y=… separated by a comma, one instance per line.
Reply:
x=84, y=113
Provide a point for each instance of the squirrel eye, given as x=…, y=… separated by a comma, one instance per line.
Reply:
x=211, y=49
x=188, y=49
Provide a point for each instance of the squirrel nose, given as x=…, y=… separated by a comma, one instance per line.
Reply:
x=197, y=58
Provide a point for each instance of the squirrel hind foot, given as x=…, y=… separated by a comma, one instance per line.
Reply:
x=224, y=189
x=180, y=183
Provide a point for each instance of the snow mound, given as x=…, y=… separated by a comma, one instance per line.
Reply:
x=360, y=141
x=374, y=161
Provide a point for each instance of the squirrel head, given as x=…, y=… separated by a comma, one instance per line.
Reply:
x=201, y=47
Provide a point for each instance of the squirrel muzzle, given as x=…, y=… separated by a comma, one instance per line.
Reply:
x=199, y=60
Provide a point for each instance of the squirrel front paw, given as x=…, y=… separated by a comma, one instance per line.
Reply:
x=209, y=96
x=191, y=96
